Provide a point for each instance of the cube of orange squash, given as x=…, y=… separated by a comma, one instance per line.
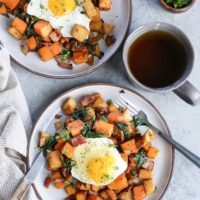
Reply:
x=104, y=127
x=54, y=160
x=3, y=9
x=70, y=189
x=56, y=48
x=11, y=4
x=42, y=28
x=152, y=153
x=129, y=147
x=145, y=174
x=68, y=150
x=139, y=192
x=19, y=25
x=104, y=4
x=31, y=43
x=75, y=127
x=81, y=195
x=119, y=183
x=80, y=57
x=93, y=197
x=45, y=53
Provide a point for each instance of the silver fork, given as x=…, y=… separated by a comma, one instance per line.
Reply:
x=140, y=114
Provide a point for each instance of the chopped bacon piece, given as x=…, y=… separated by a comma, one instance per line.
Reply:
x=110, y=39
x=64, y=64
x=86, y=100
x=78, y=140
x=55, y=36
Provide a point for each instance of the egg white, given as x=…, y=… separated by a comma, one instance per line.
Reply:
x=39, y=9
x=95, y=147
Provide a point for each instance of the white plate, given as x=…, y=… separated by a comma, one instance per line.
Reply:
x=163, y=164
x=120, y=15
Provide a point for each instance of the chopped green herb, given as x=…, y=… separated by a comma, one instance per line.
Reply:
x=92, y=134
x=178, y=3
x=140, y=158
x=104, y=118
x=101, y=55
x=65, y=54
x=112, y=145
x=64, y=151
x=42, y=6
x=67, y=182
x=137, y=121
x=50, y=143
x=65, y=134
x=109, y=102
x=122, y=127
x=133, y=172
x=68, y=163
x=80, y=114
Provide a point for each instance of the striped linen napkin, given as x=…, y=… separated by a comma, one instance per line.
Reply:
x=15, y=127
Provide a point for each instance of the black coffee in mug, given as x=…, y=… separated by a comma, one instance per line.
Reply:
x=157, y=59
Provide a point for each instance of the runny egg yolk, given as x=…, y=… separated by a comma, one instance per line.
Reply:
x=100, y=168
x=61, y=7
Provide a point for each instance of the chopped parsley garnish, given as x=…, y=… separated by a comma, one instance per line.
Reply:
x=65, y=134
x=42, y=6
x=104, y=118
x=109, y=102
x=67, y=182
x=137, y=121
x=80, y=114
x=140, y=158
x=178, y=3
x=65, y=54
x=68, y=163
x=122, y=127
x=133, y=172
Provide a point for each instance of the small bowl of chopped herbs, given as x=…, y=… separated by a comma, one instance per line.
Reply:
x=177, y=6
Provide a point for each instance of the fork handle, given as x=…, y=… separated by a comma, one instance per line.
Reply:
x=188, y=154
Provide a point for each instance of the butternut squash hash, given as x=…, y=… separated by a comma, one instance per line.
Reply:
x=68, y=31
x=98, y=153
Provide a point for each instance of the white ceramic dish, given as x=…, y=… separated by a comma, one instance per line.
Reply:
x=120, y=15
x=163, y=164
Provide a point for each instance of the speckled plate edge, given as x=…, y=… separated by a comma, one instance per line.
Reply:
x=98, y=66
x=117, y=86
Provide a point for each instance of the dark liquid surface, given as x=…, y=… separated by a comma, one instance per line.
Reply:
x=157, y=59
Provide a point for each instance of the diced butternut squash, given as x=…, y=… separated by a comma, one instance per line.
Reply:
x=111, y=194
x=124, y=157
x=115, y=117
x=149, y=187
x=81, y=195
x=95, y=188
x=69, y=106
x=45, y=53
x=152, y=153
x=145, y=174
x=3, y=9
x=75, y=127
x=80, y=33
x=80, y=57
x=93, y=197
x=100, y=103
x=119, y=183
x=139, y=192
x=54, y=160
x=96, y=26
x=56, y=48
x=31, y=43
x=108, y=28
x=129, y=147
x=148, y=136
x=60, y=184
x=44, y=136
x=104, y=4
x=113, y=108
x=42, y=28
x=97, y=51
x=15, y=33
x=59, y=146
x=11, y=4
x=126, y=194
x=104, y=127
x=90, y=9
x=70, y=190
x=68, y=150
x=19, y=25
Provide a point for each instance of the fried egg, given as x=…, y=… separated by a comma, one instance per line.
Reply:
x=98, y=162
x=61, y=14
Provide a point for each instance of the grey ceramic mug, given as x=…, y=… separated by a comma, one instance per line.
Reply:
x=183, y=88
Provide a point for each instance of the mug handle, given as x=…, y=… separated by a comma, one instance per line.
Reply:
x=188, y=93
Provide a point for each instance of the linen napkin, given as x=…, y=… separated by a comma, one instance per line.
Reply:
x=15, y=127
